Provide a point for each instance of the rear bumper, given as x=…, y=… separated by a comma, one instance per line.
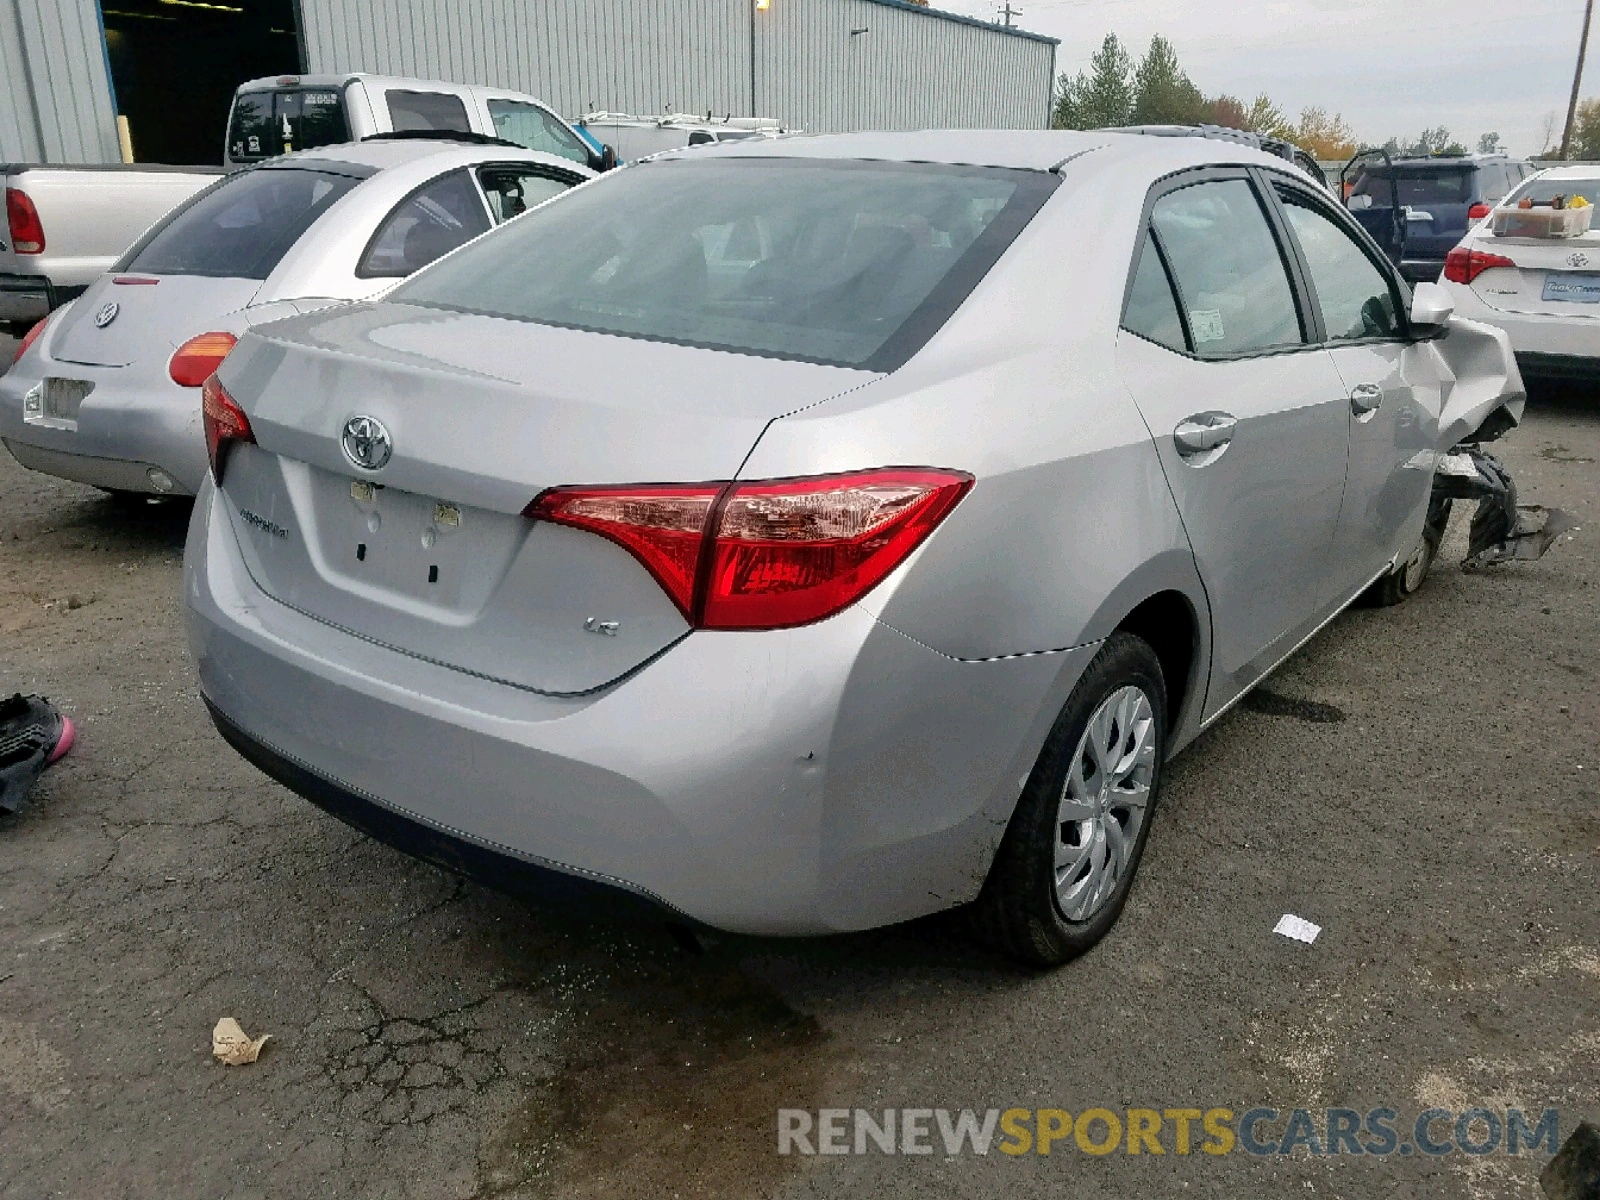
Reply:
x=127, y=426
x=1564, y=345
x=837, y=776
x=500, y=869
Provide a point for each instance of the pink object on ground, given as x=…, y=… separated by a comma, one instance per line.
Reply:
x=69, y=734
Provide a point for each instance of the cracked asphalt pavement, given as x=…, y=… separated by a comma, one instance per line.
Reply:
x=1420, y=781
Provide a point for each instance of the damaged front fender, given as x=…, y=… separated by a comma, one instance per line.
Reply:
x=1481, y=388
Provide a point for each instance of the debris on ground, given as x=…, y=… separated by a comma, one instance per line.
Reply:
x=33, y=734
x=1298, y=928
x=1502, y=530
x=231, y=1044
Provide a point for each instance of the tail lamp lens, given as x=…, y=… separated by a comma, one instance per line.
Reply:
x=767, y=554
x=198, y=358
x=225, y=424
x=1463, y=265
x=22, y=218
x=29, y=339
x=1478, y=212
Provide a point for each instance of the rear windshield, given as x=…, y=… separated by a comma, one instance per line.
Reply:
x=849, y=263
x=1419, y=186
x=427, y=110
x=1542, y=191
x=240, y=228
x=267, y=124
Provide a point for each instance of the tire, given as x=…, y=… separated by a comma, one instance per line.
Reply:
x=1403, y=582
x=1021, y=911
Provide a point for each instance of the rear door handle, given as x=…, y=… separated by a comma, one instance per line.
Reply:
x=1365, y=398
x=1203, y=433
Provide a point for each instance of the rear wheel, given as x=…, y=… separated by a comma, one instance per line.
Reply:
x=1069, y=855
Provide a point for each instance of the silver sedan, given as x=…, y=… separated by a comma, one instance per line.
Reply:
x=106, y=391
x=814, y=535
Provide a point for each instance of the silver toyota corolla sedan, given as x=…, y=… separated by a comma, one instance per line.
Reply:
x=106, y=391
x=812, y=535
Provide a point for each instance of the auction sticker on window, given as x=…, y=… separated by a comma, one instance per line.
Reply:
x=1206, y=324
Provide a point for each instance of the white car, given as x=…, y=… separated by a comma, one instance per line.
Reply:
x=1544, y=292
x=107, y=390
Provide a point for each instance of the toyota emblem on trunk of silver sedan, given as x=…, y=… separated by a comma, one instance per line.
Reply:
x=106, y=315
x=1578, y=259
x=366, y=442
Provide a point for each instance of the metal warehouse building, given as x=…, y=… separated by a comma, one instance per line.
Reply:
x=70, y=68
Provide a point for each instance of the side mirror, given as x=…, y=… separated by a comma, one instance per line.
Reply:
x=1431, y=310
x=607, y=158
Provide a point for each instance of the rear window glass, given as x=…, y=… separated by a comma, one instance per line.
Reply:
x=1542, y=191
x=849, y=263
x=241, y=228
x=1419, y=186
x=427, y=110
x=267, y=124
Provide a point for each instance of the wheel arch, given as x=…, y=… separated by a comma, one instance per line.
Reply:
x=1164, y=602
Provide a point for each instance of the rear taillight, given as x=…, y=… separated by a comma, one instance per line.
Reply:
x=198, y=358
x=29, y=339
x=27, y=231
x=225, y=424
x=1478, y=212
x=768, y=554
x=1462, y=265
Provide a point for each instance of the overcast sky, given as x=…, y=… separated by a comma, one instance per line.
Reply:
x=1391, y=67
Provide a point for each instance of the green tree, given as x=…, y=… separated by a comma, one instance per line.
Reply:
x=1265, y=117
x=1100, y=97
x=1489, y=143
x=1162, y=93
x=1586, y=131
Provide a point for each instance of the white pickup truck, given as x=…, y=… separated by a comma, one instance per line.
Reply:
x=274, y=116
x=66, y=225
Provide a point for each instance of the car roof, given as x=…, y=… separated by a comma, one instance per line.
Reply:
x=380, y=154
x=1024, y=149
x=1578, y=171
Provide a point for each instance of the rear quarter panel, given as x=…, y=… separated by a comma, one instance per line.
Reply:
x=1070, y=524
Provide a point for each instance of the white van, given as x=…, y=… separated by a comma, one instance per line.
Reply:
x=637, y=137
x=281, y=114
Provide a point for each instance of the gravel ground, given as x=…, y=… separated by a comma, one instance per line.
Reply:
x=1434, y=808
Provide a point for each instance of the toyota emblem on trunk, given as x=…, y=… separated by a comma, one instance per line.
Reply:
x=1578, y=259
x=366, y=442
x=107, y=314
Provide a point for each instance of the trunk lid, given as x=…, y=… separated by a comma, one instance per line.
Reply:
x=430, y=554
x=1559, y=276
x=150, y=317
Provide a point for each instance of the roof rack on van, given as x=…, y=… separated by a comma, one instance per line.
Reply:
x=441, y=135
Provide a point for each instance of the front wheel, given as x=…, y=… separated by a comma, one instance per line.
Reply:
x=1070, y=852
x=1400, y=584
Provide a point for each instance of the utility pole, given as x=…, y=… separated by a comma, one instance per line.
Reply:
x=1577, y=80
x=1008, y=12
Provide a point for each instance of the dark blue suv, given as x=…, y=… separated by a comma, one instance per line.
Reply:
x=1439, y=198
